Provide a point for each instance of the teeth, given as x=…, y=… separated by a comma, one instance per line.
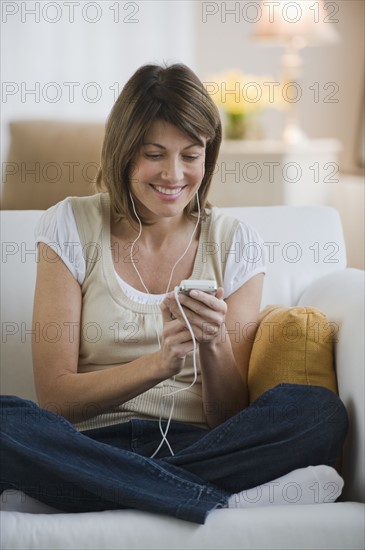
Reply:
x=168, y=190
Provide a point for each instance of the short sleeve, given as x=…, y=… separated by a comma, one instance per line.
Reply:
x=57, y=228
x=245, y=258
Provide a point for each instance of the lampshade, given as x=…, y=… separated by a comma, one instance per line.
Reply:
x=306, y=22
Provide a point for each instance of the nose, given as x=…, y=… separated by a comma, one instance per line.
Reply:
x=173, y=170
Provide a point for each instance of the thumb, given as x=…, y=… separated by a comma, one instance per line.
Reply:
x=220, y=293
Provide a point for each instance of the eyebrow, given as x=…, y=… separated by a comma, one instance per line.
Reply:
x=197, y=144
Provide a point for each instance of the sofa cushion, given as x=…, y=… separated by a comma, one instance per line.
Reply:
x=336, y=526
x=293, y=345
x=49, y=160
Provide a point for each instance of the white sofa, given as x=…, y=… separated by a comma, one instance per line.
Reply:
x=307, y=266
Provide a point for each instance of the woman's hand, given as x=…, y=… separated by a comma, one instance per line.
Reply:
x=206, y=313
x=176, y=343
x=224, y=353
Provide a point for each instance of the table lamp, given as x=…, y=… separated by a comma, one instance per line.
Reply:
x=295, y=25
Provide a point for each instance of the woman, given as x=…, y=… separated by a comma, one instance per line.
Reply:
x=139, y=409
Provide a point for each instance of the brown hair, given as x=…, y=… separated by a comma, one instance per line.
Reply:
x=173, y=94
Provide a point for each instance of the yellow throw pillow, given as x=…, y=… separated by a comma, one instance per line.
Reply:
x=292, y=345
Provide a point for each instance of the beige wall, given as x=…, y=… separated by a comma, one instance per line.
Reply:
x=222, y=44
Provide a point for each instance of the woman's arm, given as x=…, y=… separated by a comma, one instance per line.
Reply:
x=224, y=361
x=225, y=352
x=57, y=303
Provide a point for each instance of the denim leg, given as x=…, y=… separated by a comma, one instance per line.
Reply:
x=288, y=427
x=144, y=436
x=47, y=458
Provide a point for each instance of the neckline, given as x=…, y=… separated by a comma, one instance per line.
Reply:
x=110, y=275
x=131, y=288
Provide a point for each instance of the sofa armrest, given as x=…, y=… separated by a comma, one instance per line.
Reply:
x=341, y=296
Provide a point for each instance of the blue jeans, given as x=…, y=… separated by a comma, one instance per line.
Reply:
x=290, y=426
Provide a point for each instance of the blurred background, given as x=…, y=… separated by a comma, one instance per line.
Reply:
x=288, y=78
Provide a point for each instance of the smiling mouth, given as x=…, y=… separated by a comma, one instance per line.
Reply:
x=168, y=190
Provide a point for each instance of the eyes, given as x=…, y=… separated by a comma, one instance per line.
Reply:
x=160, y=156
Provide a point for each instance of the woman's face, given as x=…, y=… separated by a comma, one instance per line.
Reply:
x=167, y=171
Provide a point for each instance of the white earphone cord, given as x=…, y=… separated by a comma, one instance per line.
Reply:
x=176, y=294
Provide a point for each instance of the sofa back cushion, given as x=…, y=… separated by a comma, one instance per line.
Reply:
x=300, y=243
